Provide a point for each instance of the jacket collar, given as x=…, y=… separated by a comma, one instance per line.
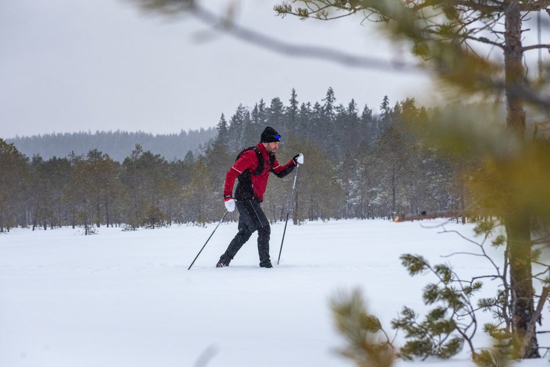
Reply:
x=262, y=149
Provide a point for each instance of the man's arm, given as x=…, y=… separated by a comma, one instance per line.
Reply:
x=282, y=171
x=248, y=161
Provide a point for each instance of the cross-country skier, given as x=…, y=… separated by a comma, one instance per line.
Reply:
x=252, y=168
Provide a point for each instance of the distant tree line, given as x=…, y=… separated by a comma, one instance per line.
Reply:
x=358, y=164
x=117, y=144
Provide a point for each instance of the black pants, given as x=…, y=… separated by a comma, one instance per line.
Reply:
x=251, y=219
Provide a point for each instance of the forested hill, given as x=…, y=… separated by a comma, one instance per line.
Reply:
x=117, y=144
x=358, y=164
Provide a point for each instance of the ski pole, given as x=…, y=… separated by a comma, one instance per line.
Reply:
x=288, y=212
x=196, y=257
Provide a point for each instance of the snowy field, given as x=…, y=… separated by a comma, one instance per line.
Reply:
x=127, y=299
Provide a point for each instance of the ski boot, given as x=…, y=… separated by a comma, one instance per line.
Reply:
x=266, y=264
x=223, y=263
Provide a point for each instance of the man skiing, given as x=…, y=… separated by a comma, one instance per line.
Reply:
x=252, y=169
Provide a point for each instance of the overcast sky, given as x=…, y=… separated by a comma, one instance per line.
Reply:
x=79, y=65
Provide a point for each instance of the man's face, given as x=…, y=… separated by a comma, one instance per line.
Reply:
x=272, y=147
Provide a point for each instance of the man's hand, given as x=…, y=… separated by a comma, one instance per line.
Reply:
x=298, y=159
x=229, y=204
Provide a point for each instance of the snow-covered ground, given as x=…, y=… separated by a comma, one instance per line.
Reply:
x=127, y=299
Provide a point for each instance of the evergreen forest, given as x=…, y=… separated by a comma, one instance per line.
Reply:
x=360, y=162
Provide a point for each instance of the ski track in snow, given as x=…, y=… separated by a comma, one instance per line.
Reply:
x=126, y=298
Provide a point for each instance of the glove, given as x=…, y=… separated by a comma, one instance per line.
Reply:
x=229, y=204
x=298, y=158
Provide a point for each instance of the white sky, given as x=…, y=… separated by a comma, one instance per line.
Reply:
x=74, y=65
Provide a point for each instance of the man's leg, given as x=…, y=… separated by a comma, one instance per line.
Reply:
x=246, y=228
x=264, y=234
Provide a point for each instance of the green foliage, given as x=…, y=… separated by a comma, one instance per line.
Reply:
x=92, y=190
x=198, y=193
x=451, y=348
x=443, y=330
x=497, y=332
x=313, y=200
x=492, y=358
x=429, y=337
x=444, y=272
x=368, y=166
x=469, y=290
x=14, y=174
x=509, y=179
x=368, y=345
x=431, y=294
x=499, y=308
x=484, y=227
x=154, y=217
x=499, y=241
x=502, y=353
x=415, y=264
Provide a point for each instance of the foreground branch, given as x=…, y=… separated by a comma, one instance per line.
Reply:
x=304, y=51
x=535, y=47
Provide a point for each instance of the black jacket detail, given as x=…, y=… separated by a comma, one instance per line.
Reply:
x=244, y=190
x=284, y=172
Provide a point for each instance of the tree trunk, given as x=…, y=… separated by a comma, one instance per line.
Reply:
x=85, y=218
x=393, y=193
x=521, y=283
x=170, y=210
x=98, y=209
x=517, y=221
x=108, y=210
x=513, y=55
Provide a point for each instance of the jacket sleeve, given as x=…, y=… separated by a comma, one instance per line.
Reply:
x=247, y=161
x=282, y=171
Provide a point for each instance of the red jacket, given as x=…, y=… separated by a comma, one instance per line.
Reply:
x=249, y=161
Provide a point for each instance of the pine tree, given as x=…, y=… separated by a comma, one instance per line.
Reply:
x=236, y=130
x=328, y=107
x=352, y=125
x=328, y=114
x=304, y=120
x=292, y=114
x=189, y=157
x=222, y=130
x=200, y=202
x=276, y=116
x=13, y=179
x=385, y=106
x=143, y=174
x=368, y=126
x=250, y=137
x=316, y=122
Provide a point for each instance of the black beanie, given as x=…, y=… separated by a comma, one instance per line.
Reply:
x=270, y=135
